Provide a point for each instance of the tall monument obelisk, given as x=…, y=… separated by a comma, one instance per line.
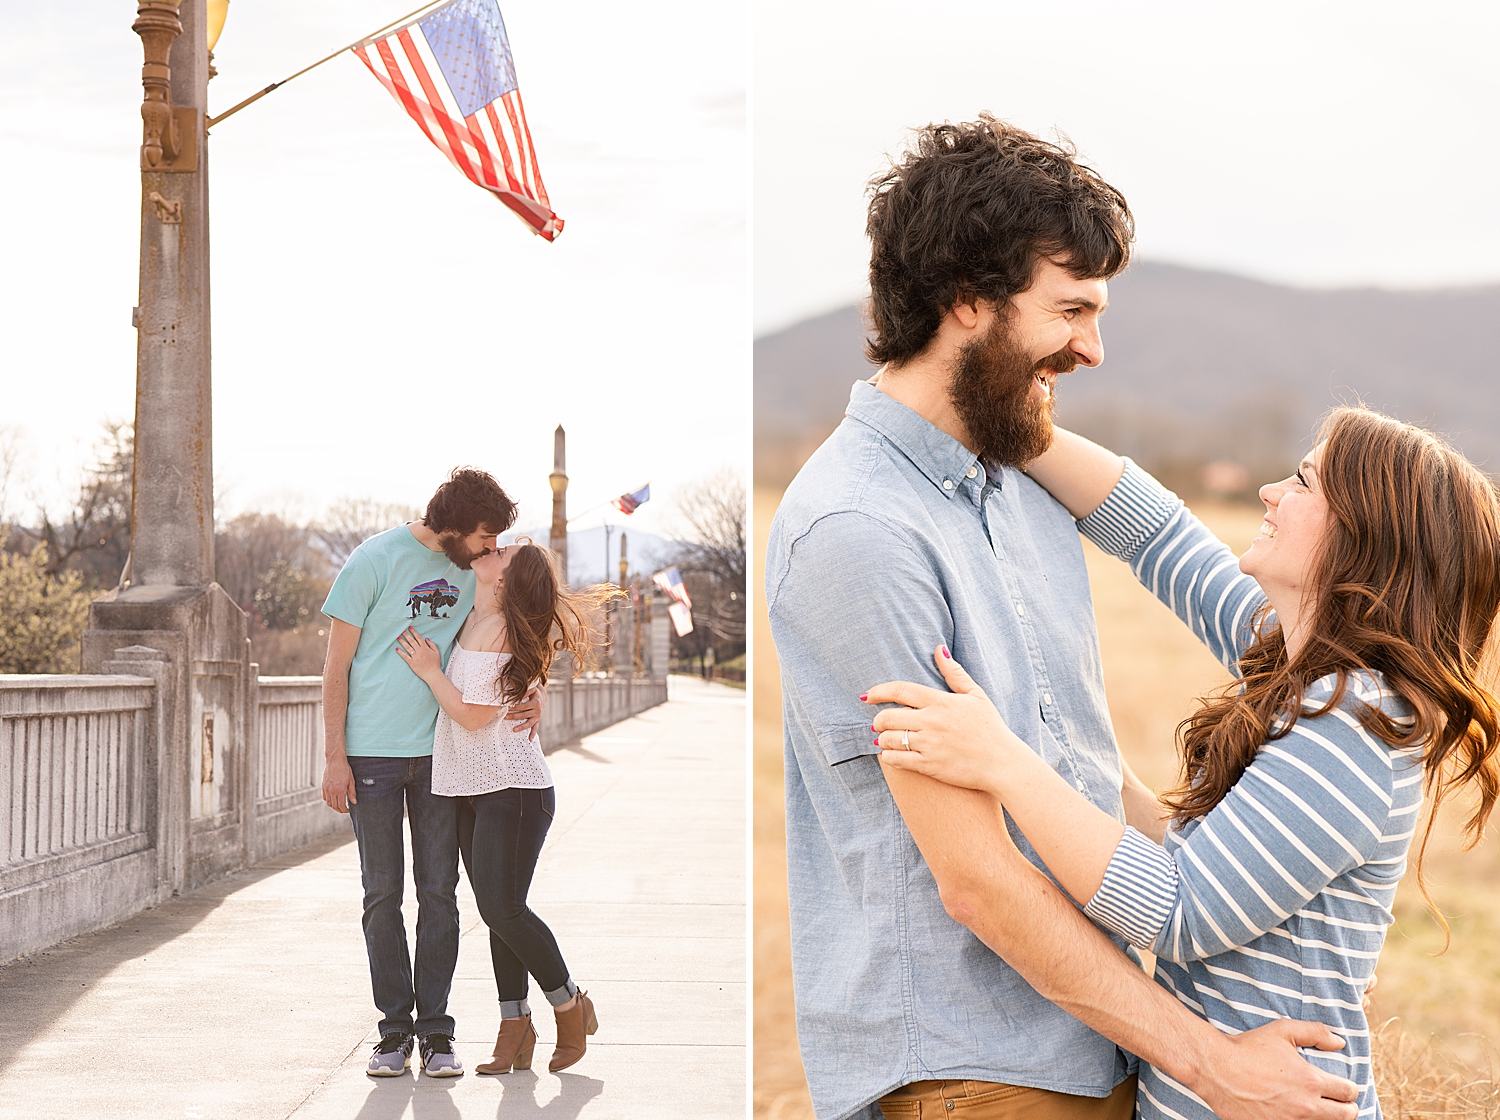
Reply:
x=559, y=481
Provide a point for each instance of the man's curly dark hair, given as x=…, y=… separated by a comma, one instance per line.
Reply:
x=967, y=213
x=470, y=498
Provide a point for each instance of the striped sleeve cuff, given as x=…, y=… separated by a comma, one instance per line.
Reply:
x=1138, y=893
x=1136, y=508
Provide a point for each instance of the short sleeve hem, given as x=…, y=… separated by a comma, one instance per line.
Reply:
x=339, y=613
x=844, y=744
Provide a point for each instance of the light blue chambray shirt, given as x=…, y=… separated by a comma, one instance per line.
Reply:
x=892, y=538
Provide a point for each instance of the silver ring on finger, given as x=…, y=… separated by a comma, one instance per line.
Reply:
x=906, y=740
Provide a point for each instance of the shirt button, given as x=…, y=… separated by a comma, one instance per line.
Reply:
x=1047, y=699
x=1020, y=608
x=973, y=471
x=947, y=484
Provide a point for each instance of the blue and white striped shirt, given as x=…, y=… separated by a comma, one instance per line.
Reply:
x=1275, y=904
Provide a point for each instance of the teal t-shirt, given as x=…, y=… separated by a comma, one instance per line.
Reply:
x=390, y=582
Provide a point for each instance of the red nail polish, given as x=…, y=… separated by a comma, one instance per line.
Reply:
x=864, y=696
x=946, y=654
x=877, y=742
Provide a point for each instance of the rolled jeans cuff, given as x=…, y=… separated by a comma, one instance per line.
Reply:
x=559, y=996
x=514, y=1009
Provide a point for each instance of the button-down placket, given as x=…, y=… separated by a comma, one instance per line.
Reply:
x=993, y=493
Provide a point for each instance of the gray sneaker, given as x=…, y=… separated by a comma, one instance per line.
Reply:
x=438, y=1059
x=392, y=1055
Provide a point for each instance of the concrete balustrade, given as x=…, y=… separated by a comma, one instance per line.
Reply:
x=104, y=811
x=76, y=805
x=290, y=717
x=73, y=751
x=289, y=809
x=580, y=707
x=77, y=814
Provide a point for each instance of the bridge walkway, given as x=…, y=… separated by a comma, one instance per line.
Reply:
x=250, y=998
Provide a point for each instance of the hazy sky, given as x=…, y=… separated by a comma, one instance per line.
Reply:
x=1315, y=144
x=377, y=318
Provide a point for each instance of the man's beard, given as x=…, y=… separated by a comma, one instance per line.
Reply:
x=455, y=549
x=991, y=392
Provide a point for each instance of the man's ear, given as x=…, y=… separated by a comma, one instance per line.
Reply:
x=966, y=310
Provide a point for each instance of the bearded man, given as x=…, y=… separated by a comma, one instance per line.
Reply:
x=914, y=525
x=379, y=719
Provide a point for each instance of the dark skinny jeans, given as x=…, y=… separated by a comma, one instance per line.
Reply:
x=500, y=835
x=386, y=790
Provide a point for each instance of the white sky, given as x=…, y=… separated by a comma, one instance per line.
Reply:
x=377, y=318
x=1315, y=144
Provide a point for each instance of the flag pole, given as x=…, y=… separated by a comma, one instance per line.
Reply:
x=601, y=505
x=254, y=97
x=585, y=513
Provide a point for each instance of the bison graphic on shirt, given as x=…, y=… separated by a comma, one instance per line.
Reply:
x=434, y=595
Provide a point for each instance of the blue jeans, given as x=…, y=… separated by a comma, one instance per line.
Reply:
x=384, y=788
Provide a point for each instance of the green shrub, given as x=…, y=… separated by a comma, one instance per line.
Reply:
x=42, y=617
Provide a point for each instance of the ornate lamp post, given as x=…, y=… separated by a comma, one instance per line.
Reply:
x=172, y=622
x=218, y=12
x=172, y=505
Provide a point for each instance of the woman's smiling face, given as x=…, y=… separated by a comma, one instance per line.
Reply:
x=1285, y=555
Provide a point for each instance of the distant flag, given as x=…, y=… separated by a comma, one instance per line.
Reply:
x=670, y=581
x=682, y=619
x=681, y=612
x=627, y=503
x=455, y=77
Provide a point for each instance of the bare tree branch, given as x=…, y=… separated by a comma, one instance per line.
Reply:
x=12, y=458
x=94, y=537
x=713, y=513
x=711, y=559
x=352, y=521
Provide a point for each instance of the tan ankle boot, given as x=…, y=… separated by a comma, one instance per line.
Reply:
x=573, y=1027
x=513, y=1047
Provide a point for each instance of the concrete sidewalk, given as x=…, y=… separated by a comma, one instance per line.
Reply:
x=251, y=997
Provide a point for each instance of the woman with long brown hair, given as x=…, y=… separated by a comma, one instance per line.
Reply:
x=1357, y=625
x=523, y=617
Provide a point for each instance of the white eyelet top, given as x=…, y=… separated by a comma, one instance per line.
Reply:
x=468, y=763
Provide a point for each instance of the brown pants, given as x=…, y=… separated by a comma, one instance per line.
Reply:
x=988, y=1100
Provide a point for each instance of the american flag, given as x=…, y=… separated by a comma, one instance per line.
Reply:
x=452, y=72
x=682, y=619
x=628, y=503
x=670, y=581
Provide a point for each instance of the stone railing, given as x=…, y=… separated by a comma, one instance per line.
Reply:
x=103, y=811
x=101, y=815
x=579, y=707
x=289, y=809
x=77, y=811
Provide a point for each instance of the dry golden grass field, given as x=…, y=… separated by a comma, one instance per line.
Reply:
x=1433, y=1059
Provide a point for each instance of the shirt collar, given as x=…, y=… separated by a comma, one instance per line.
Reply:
x=942, y=459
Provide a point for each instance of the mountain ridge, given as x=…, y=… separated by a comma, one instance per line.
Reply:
x=1201, y=365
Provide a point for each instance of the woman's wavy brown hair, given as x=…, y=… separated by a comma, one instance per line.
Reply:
x=1407, y=582
x=544, y=617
